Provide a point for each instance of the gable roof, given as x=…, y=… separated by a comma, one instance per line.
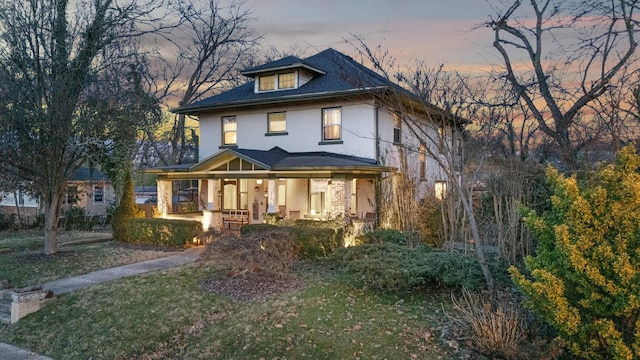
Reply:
x=336, y=75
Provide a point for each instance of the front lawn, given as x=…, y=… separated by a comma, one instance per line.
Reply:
x=179, y=313
x=167, y=315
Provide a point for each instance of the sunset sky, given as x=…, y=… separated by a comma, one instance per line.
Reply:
x=435, y=31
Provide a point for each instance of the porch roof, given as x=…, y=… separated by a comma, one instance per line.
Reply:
x=276, y=162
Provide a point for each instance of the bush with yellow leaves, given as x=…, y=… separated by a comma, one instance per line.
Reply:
x=585, y=277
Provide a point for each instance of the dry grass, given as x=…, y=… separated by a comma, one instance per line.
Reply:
x=494, y=330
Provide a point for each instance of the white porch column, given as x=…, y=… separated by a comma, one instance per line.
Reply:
x=271, y=193
x=164, y=197
x=211, y=194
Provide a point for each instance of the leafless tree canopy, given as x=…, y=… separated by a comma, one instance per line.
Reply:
x=560, y=56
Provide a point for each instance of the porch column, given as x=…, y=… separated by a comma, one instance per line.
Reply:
x=271, y=193
x=164, y=197
x=340, y=200
x=211, y=193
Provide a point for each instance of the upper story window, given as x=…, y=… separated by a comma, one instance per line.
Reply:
x=287, y=80
x=229, y=130
x=266, y=83
x=396, y=129
x=331, y=124
x=277, y=123
x=280, y=81
x=441, y=138
x=423, y=162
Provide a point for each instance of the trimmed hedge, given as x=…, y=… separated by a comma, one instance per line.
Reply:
x=162, y=231
x=310, y=241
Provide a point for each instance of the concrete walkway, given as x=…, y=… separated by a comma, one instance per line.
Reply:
x=62, y=286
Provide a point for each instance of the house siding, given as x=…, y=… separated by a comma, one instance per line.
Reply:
x=304, y=130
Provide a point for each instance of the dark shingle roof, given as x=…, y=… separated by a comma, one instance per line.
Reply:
x=341, y=75
x=87, y=174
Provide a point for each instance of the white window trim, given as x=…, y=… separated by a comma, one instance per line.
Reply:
x=276, y=85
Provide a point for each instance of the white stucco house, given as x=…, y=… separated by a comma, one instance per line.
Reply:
x=305, y=138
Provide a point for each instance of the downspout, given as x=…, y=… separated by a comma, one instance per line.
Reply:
x=377, y=188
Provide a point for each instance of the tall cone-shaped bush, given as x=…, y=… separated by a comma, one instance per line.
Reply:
x=585, y=277
x=125, y=210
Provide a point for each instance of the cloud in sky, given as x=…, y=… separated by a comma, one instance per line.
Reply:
x=434, y=31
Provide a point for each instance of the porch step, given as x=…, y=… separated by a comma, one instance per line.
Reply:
x=5, y=312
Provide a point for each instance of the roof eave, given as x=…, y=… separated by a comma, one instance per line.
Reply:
x=187, y=110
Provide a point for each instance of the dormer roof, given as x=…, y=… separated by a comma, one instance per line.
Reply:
x=287, y=63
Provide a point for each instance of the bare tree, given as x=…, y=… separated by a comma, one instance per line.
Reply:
x=446, y=101
x=573, y=50
x=212, y=42
x=51, y=52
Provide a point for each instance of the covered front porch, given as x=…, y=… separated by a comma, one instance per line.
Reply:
x=240, y=186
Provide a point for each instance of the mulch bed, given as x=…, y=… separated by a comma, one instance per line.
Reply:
x=251, y=286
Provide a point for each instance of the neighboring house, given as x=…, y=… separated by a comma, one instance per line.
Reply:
x=87, y=188
x=306, y=138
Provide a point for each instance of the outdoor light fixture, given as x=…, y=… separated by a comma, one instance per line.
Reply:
x=259, y=181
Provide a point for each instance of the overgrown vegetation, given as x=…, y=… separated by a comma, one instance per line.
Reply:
x=584, y=278
x=393, y=267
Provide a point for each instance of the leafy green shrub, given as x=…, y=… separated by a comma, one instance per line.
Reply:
x=77, y=219
x=392, y=267
x=162, y=232
x=584, y=278
x=385, y=236
x=271, y=218
x=310, y=241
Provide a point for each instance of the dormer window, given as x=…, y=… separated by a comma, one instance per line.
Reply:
x=281, y=81
x=267, y=83
x=287, y=80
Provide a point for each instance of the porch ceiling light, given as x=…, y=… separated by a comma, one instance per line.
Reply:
x=259, y=181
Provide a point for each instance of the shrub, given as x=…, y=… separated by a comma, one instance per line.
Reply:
x=392, y=267
x=125, y=210
x=495, y=328
x=270, y=251
x=584, y=278
x=162, y=232
x=310, y=241
x=385, y=236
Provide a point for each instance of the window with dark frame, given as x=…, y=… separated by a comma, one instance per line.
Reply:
x=229, y=130
x=397, y=123
x=277, y=123
x=98, y=194
x=331, y=124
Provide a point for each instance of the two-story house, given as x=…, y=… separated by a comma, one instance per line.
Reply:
x=306, y=138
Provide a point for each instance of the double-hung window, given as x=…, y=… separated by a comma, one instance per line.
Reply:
x=331, y=124
x=396, y=129
x=423, y=162
x=277, y=123
x=98, y=194
x=229, y=131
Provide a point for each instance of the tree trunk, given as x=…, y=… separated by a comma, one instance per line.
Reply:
x=51, y=212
